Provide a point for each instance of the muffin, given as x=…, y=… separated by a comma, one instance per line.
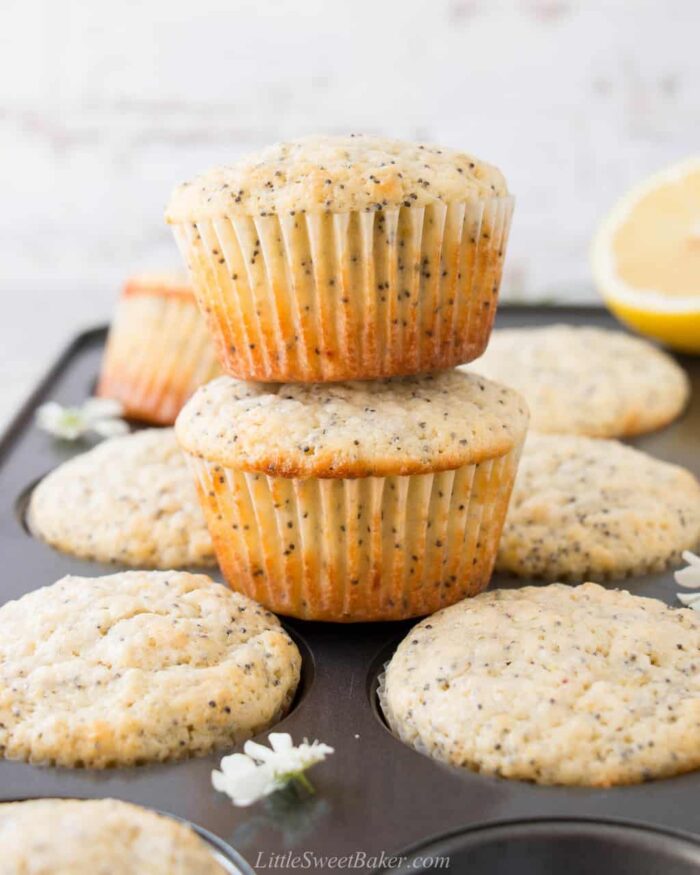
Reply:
x=344, y=258
x=98, y=837
x=132, y=502
x=355, y=501
x=158, y=349
x=585, y=380
x=554, y=684
x=137, y=667
x=591, y=509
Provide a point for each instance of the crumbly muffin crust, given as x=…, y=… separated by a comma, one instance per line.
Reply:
x=98, y=837
x=397, y=426
x=132, y=502
x=552, y=684
x=583, y=380
x=137, y=667
x=585, y=508
x=337, y=174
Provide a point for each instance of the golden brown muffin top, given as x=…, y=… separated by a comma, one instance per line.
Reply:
x=585, y=507
x=139, y=666
x=336, y=174
x=587, y=380
x=406, y=425
x=98, y=837
x=133, y=502
x=555, y=684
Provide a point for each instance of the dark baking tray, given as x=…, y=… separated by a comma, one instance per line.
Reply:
x=375, y=794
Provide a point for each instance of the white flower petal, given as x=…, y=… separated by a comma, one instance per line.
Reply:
x=691, y=558
x=689, y=577
x=260, y=770
x=102, y=408
x=310, y=754
x=237, y=764
x=287, y=764
x=280, y=741
x=249, y=787
x=97, y=414
x=110, y=427
x=62, y=422
x=49, y=414
x=244, y=782
x=258, y=751
x=59, y=421
x=218, y=780
x=68, y=431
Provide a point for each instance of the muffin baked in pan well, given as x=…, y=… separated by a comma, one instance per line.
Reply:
x=366, y=796
x=555, y=684
x=158, y=351
x=355, y=501
x=580, y=379
x=138, y=667
x=591, y=509
x=98, y=837
x=132, y=502
x=341, y=258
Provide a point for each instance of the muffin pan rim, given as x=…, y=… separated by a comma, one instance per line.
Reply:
x=561, y=827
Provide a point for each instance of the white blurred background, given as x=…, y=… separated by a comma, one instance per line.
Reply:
x=104, y=106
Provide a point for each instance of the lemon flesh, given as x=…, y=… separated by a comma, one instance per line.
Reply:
x=646, y=257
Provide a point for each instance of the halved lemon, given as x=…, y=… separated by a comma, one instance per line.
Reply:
x=646, y=257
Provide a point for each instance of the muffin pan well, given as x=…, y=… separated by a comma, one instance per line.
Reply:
x=374, y=794
x=230, y=860
x=542, y=847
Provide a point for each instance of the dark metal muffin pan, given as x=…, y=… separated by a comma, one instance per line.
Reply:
x=554, y=847
x=229, y=859
x=375, y=794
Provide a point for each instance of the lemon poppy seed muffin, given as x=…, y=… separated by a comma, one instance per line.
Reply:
x=137, y=667
x=98, y=837
x=336, y=258
x=355, y=501
x=585, y=380
x=159, y=349
x=554, y=684
x=132, y=502
x=590, y=509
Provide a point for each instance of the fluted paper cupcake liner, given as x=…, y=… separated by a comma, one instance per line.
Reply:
x=359, y=295
x=373, y=548
x=158, y=353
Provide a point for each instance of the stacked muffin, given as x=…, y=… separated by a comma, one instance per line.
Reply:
x=328, y=260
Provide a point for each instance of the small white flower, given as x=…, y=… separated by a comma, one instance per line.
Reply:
x=689, y=577
x=259, y=771
x=243, y=780
x=98, y=415
x=689, y=599
x=95, y=409
x=108, y=428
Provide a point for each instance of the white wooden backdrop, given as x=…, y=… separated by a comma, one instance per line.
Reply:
x=104, y=105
